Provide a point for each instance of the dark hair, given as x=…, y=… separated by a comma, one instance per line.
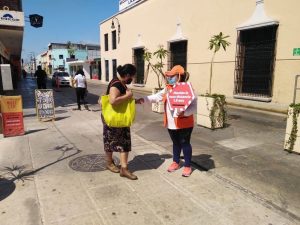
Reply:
x=184, y=77
x=80, y=71
x=39, y=67
x=126, y=69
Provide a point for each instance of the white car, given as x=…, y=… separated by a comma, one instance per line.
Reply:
x=61, y=79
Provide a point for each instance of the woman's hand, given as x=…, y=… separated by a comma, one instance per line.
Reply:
x=128, y=94
x=139, y=101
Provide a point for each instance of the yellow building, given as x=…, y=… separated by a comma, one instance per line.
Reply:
x=257, y=70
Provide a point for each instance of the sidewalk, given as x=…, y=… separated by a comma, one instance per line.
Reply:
x=51, y=158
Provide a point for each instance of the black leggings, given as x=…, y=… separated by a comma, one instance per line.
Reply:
x=181, y=141
x=80, y=92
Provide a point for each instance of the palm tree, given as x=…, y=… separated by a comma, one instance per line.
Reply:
x=215, y=44
x=71, y=49
x=157, y=67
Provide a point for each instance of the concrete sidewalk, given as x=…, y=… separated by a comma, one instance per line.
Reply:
x=61, y=179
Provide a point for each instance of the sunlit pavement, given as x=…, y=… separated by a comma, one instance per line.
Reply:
x=55, y=173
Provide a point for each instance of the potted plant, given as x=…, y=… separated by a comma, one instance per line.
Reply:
x=291, y=141
x=211, y=110
x=160, y=54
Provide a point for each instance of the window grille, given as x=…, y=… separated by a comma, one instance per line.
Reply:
x=114, y=68
x=106, y=70
x=114, y=39
x=106, y=42
x=255, y=62
x=178, y=54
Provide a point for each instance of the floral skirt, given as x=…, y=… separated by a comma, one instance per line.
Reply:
x=116, y=139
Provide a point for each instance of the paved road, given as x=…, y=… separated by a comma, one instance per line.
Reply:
x=242, y=175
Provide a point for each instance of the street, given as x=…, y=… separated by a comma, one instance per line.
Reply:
x=55, y=173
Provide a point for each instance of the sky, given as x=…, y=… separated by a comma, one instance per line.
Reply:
x=65, y=20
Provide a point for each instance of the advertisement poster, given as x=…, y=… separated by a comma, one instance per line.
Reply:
x=12, y=115
x=44, y=104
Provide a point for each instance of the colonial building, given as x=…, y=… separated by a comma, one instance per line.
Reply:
x=257, y=70
x=70, y=57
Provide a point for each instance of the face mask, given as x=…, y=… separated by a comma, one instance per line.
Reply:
x=172, y=80
x=129, y=81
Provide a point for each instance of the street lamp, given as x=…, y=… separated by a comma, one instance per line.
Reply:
x=113, y=26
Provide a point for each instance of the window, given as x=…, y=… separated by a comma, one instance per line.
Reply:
x=178, y=53
x=114, y=39
x=114, y=68
x=139, y=62
x=106, y=42
x=106, y=70
x=61, y=56
x=255, y=62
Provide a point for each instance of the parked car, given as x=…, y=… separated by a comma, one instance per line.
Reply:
x=63, y=79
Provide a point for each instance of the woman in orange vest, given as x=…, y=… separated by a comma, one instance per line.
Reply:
x=180, y=124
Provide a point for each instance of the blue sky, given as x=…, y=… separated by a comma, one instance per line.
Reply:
x=65, y=20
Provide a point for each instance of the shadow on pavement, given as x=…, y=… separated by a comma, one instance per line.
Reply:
x=203, y=162
x=147, y=161
x=61, y=118
x=7, y=187
x=34, y=131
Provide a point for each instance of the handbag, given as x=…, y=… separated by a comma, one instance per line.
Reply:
x=120, y=115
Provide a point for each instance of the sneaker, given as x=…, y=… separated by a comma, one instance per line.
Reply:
x=187, y=171
x=174, y=166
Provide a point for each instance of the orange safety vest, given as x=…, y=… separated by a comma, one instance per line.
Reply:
x=181, y=122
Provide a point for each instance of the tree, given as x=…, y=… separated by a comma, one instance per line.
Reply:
x=215, y=44
x=71, y=49
x=160, y=54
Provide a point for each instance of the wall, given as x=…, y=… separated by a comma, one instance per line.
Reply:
x=200, y=20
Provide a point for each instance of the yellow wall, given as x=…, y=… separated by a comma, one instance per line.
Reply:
x=155, y=21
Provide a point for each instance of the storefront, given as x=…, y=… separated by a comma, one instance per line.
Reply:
x=258, y=68
x=11, y=37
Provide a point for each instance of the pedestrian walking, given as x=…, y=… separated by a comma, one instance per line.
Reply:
x=80, y=88
x=41, y=78
x=179, y=124
x=24, y=73
x=117, y=139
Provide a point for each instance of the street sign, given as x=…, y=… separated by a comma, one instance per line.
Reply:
x=296, y=52
x=181, y=96
x=44, y=104
x=36, y=20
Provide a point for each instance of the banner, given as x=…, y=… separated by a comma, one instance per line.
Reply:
x=12, y=115
x=44, y=104
x=126, y=3
x=181, y=96
x=5, y=72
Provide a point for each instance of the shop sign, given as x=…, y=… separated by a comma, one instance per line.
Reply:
x=126, y=3
x=12, y=115
x=181, y=96
x=44, y=104
x=11, y=18
x=296, y=52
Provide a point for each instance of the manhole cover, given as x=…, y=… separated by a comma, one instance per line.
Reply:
x=90, y=163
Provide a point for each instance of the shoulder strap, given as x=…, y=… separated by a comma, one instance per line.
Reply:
x=112, y=83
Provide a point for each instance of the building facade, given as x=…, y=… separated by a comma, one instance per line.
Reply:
x=258, y=69
x=11, y=38
x=66, y=57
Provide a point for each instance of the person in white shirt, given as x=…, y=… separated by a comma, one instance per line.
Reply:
x=81, y=87
x=179, y=123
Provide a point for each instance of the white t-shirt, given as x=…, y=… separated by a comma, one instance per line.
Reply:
x=81, y=80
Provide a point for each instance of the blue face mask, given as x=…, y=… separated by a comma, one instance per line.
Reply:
x=172, y=80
